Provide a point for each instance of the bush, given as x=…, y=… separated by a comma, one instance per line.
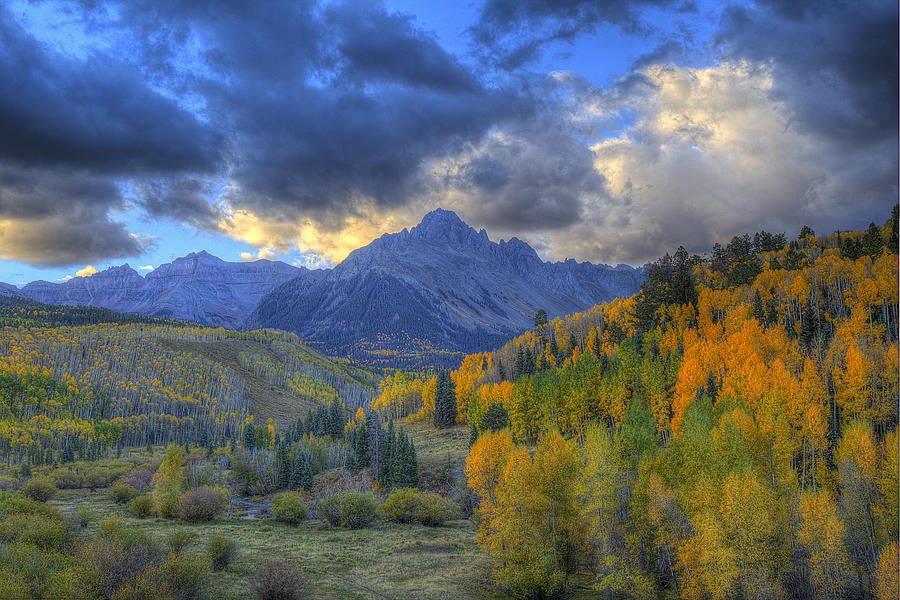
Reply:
x=278, y=580
x=141, y=506
x=200, y=504
x=139, y=479
x=179, y=539
x=94, y=480
x=83, y=515
x=45, y=532
x=122, y=493
x=409, y=505
x=354, y=509
x=179, y=576
x=329, y=510
x=39, y=488
x=220, y=550
x=288, y=507
x=65, y=479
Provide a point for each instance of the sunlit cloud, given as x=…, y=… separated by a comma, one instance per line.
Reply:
x=88, y=271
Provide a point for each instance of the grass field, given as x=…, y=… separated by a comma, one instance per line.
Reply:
x=384, y=561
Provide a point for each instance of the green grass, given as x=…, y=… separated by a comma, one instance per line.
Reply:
x=385, y=561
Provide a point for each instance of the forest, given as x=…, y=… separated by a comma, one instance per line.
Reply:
x=728, y=432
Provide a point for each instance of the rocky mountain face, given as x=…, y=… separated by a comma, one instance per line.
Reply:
x=440, y=286
x=7, y=289
x=198, y=287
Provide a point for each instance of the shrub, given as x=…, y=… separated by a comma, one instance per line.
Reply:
x=65, y=479
x=409, y=505
x=83, y=515
x=122, y=493
x=200, y=504
x=329, y=510
x=14, y=503
x=179, y=539
x=141, y=506
x=278, y=580
x=179, y=576
x=220, y=550
x=43, y=531
x=94, y=480
x=39, y=488
x=288, y=507
x=356, y=509
x=139, y=479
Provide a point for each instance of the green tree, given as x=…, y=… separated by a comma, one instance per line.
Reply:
x=444, y=401
x=169, y=481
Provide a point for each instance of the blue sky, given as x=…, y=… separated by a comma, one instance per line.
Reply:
x=139, y=132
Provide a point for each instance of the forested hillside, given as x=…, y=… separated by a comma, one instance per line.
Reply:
x=728, y=432
x=90, y=389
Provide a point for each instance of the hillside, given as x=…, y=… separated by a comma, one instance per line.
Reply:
x=735, y=422
x=149, y=381
x=428, y=294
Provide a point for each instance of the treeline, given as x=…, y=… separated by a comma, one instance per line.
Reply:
x=728, y=432
x=22, y=312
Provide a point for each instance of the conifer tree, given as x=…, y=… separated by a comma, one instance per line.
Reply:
x=473, y=434
x=444, y=401
x=301, y=473
x=249, y=436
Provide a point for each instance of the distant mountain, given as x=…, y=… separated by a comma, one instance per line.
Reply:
x=441, y=286
x=8, y=290
x=198, y=287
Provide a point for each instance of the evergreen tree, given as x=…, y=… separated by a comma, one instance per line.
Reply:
x=444, y=401
x=390, y=455
x=336, y=421
x=473, y=435
x=301, y=473
x=282, y=466
x=249, y=437
x=361, y=445
x=872, y=242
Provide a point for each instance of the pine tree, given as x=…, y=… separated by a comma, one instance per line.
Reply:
x=301, y=473
x=362, y=446
x=282, y=466
x=444, y=401
x=249, y=437
x=336, y=421
x=473, y=434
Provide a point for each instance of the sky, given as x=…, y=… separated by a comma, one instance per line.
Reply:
x=298, y=130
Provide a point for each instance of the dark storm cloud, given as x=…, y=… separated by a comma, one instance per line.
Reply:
x=834, y=62
x=96, y=115
x=183, y=200
x=60, y=218
x=514, y=32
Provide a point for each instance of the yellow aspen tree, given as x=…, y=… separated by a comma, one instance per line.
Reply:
x=821, y=535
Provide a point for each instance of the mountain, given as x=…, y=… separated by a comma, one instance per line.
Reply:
x=198, y=287
x=8, y=290
x=409, y=298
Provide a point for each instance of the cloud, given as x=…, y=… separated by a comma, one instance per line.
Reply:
x=514, y=32
x=262, y=254
x=60, y=218
x=87, y=271
x=146, y=268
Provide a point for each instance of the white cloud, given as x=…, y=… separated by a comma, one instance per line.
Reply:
x=146, y=268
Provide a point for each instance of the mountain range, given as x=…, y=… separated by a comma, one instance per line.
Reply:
x=420, y=296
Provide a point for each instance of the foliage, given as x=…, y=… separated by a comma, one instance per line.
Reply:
x=220, y=550
x=288, y=507
x=122, y=493
x=278, y=580
x=349, y=509
x=408, y=505
x=39, y=488
x=169, y=481
x=179, y=539
x=201, y=504
x=141, y=506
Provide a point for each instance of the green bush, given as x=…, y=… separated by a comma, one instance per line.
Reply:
x=179, y=539
x=83, y=515
x=409, y=505
x=45, y=532
x=95, y=479
x=39, y=488
x=180, y=576
x=220, y=550
x=141, y=506
x=278, y=580
x=200, y=504
x=328, y=510
x=356, y=509
x=66, y=479
x=122, y=493
x=13, y=503
x=288, y=507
